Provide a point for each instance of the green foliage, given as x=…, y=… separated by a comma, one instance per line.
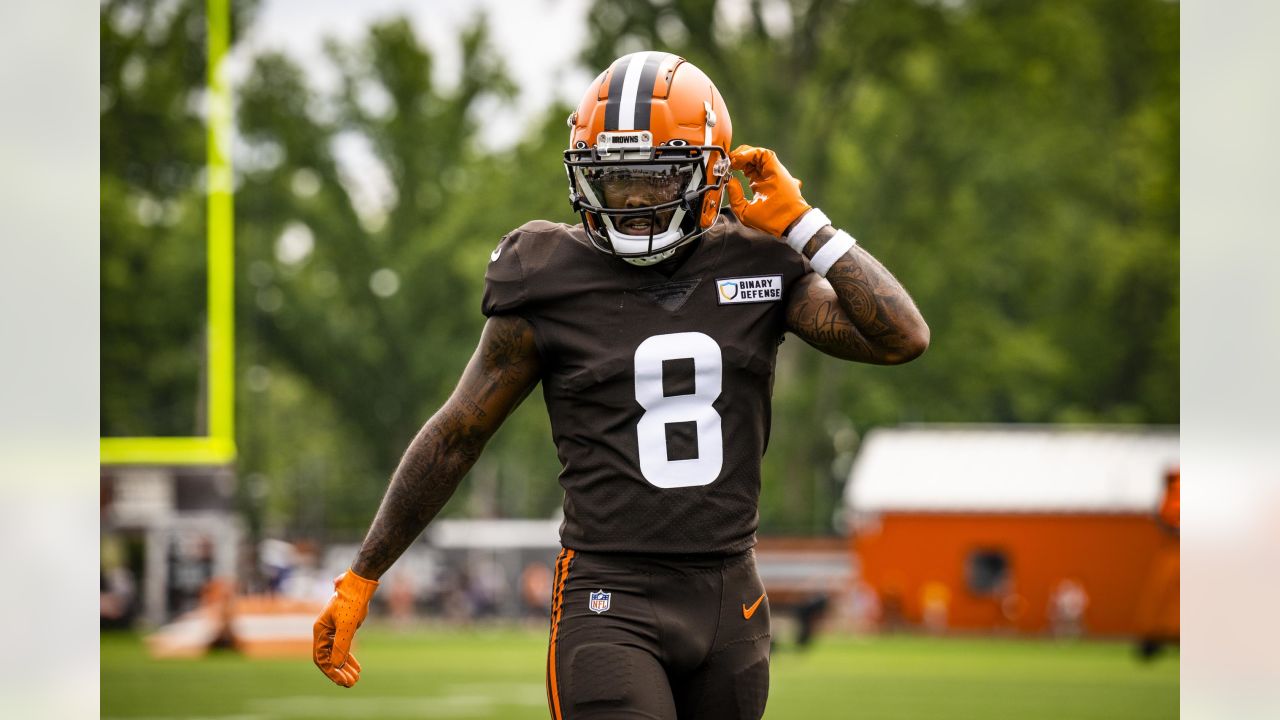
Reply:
x=1014, y=163
x=373, y=302
x=152, y=217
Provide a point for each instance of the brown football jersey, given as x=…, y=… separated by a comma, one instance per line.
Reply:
x=658, y=388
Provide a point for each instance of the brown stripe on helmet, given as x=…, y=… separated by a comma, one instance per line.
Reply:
x=617, y=73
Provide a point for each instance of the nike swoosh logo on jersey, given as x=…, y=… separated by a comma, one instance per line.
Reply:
x=747, y=612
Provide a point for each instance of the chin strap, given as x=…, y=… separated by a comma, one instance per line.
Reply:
x=652, y=259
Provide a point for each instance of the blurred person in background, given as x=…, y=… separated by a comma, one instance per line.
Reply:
x=117, y=587
x=808, y=616
x=302, y=579
x=865, y=607
x=1159, y=605
x=455, y=597
x=1067, y=604
x=190, y=562
x=487, y=584
x=402, y=599
x=653, y=327
x=535, y=589
x=1013, y=604
x=893, y=612
x=277, y=560
x=935, y=601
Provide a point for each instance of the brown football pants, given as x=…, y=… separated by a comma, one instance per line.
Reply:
x=661, y=638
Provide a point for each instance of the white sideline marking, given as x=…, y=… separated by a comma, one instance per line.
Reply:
x=456, y=706
x=188, y=717
x=461, y=701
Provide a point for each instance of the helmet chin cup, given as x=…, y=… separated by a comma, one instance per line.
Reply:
x=652, y=259
x=634, y=247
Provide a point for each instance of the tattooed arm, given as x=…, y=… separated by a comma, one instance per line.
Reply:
x=858, y=312
x=501, y=373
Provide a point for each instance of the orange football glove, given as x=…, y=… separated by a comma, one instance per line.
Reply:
x=777, y=202
x=337, y=625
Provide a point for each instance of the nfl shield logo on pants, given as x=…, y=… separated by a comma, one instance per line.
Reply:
x=599, y=601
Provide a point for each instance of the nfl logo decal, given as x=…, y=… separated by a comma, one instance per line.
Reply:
x=599, y=601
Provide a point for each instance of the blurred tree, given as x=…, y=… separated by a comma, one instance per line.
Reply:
x=366, y=216
x=1015, y=163
x=152, y=213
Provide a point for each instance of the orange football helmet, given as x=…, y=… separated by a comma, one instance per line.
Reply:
x=648, y=156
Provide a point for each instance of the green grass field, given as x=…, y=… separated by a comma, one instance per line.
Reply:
x=498, y=674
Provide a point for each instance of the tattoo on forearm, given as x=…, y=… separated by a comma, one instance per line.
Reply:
x=437, y=459
x=501, y=374
x=826, y=326
x=473, y=407
x=875, y=321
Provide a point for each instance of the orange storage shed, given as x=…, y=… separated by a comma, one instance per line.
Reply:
x=1026, y=529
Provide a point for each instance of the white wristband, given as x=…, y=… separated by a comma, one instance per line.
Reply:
x=833, y=250
x=811, y=222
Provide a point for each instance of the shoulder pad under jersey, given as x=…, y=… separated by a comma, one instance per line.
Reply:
x=521, y=255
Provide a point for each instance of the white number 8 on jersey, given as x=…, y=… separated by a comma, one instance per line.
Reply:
x=696, y=407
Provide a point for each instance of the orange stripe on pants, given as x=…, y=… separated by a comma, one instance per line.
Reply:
x=557, y=604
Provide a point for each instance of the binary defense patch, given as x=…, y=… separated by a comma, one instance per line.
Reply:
x=761, y=288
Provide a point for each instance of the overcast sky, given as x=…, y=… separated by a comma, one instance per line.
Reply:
x=538, y=38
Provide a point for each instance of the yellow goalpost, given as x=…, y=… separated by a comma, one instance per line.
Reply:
x=218, y=447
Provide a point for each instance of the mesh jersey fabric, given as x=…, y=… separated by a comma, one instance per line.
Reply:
x=720, y=316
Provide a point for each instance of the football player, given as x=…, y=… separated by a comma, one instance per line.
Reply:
x=653, y=326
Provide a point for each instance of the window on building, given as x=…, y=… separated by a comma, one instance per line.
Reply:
x=986, y=570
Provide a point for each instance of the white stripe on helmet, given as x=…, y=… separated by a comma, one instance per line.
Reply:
x=630, y=91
